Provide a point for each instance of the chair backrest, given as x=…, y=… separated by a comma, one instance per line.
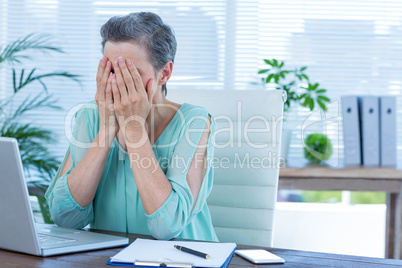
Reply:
x=246, y=164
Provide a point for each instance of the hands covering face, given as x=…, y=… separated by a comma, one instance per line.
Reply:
x=123, y=95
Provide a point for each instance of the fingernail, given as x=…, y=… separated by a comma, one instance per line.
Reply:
x=116, y=64
x=129, y=62
x=121, y=60
x=108, y=64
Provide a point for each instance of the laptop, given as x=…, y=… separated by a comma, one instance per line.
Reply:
x=18, y=230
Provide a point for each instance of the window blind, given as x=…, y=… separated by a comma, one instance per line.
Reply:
x=348, y=46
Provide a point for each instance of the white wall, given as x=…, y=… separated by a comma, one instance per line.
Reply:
x=333, y=228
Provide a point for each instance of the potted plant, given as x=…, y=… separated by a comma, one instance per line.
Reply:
x=318, y=148
x=299, y=88
x=33, y=140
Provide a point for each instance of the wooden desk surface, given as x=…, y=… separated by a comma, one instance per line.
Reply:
x=98, y=258
x=303, y=176
x=301, y=169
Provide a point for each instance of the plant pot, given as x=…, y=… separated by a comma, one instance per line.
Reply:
x=285, y=143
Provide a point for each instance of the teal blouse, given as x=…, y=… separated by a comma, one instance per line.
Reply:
x=117, y=204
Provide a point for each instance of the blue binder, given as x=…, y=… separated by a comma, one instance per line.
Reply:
x=388, y=130
x=351, y=130
x=370, y=130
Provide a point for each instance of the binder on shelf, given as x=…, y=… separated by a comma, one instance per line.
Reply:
x=388, y=130
x=351, y=130
x=157, y=253
x=370, y=130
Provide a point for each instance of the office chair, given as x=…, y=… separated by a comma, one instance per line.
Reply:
x=247, y=146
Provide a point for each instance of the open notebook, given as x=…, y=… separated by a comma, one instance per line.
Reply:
x=157, y=251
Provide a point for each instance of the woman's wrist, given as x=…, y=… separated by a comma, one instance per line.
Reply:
x=105, y=137
x=136, y=137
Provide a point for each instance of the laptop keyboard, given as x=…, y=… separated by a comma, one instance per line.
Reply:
x=45, y=239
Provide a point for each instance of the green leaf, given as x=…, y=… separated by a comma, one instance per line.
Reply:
x=305, y=76
x=314, y=86
x=21, y=77
x=306, y=101
x=263, y=71
x=268, y=62
x=275, y=62
x=311, y=104
x=303, y=68
x=29, y=104
x=302, y=96
x=31, y=78
x=322, y=105
x=14, y=81
x=321, y=91
x=269, y=78
x=323, y=98
x=281, y=64
x=276, y=76
x=38, y=42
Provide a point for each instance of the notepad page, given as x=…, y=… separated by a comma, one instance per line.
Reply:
x=164, y=251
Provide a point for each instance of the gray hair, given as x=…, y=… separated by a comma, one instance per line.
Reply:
x=148, y=30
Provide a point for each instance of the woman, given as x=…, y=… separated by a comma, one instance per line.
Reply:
x=146, y=169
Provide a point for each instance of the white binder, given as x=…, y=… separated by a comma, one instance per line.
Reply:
x=370, y=130
x=388, y=130
x=351, y=130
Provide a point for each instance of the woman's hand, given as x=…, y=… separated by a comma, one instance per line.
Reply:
x=104, y=100
x=132, y=101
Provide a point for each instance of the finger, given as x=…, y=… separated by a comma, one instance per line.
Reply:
x=101, y=68
x=108, y=93
x=136, y=78
x=115, y=90
x=128, y=79
x=121, y=85
x=105, y=77
x=99, y=74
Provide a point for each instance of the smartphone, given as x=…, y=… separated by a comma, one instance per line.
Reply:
x=259, y=256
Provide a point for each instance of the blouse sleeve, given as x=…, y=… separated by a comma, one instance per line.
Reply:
x=177, y=212
x=65, y=211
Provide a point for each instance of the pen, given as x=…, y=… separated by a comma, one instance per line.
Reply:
x=192, y=251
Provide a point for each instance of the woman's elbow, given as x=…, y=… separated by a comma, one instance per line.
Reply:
x=170, y=221
x=162, y=230
x=71, y=219
x=164, y=233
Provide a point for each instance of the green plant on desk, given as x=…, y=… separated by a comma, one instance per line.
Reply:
x=299, y=89
x=318, y=148
x=32, y=140
x=296, y=84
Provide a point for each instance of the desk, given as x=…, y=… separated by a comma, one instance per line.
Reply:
x=298, y=175
x=98, y=258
